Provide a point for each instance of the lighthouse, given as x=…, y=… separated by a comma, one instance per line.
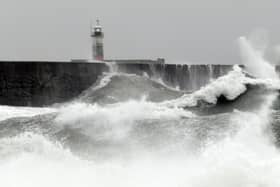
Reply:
x=97, y=42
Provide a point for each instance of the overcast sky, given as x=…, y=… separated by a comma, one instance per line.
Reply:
x=198, y=31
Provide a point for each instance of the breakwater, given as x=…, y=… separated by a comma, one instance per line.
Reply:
x=47, y=83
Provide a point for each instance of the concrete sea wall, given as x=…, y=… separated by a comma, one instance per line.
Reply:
x=47, y=83
x=185, y=77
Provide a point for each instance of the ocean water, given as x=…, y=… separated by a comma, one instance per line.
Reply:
x=130, y=130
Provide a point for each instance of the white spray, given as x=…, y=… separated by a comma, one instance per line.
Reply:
x=253, y=59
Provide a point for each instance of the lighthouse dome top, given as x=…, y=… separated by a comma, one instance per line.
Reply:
x=97, y=28
x=97, y=24
x=96, y=31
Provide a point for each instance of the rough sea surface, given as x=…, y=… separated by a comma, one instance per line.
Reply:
x=130, y=130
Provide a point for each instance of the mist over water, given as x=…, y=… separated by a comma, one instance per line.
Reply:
x=150, y=134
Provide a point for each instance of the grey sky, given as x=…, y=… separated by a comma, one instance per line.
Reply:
x=201, y=31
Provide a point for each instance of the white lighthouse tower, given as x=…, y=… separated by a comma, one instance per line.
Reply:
x=97, y=42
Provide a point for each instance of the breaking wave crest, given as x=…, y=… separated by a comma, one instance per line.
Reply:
x=120, y=87
x=236, y=90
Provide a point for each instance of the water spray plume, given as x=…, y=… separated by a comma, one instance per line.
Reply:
x=254, y=61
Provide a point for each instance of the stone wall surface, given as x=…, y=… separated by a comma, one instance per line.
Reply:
x=45, y=83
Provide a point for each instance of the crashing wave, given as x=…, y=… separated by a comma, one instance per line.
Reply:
x=230, y=86
x=120, y=87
